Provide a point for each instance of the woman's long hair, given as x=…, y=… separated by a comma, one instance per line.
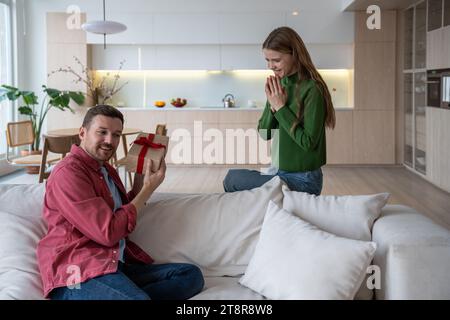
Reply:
x=286, y=40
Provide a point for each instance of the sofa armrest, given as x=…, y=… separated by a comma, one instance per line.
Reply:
x=413, y=254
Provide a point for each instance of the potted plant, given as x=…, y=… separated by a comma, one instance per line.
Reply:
x=99, y=89
x=29, y=105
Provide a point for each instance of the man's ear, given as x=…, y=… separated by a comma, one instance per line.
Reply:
x=82, y=133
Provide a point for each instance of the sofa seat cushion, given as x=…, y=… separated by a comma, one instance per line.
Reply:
x=226, y=288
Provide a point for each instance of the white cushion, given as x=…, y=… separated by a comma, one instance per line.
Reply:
x=226, y=288
x=25, y=200
x=217, y=232
x=21, y=228
x=345, y=216
x=413, y=255
x=19, y=273
x=296, y=260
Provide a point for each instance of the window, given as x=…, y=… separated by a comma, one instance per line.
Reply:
x=6, y=110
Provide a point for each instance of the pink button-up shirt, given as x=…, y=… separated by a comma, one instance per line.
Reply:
x=83, y=235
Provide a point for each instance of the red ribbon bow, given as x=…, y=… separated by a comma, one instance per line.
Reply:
x=146, y=143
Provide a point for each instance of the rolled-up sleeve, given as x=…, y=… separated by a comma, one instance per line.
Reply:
x=72, y=195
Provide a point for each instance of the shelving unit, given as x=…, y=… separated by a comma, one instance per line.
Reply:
x=414, y=78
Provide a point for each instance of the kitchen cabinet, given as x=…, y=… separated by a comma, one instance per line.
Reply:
x=340, y=139
x=248, y=28
x=375, y=73
x=408, y=38
x=408, y=118
x=417, y=58
x=435, y=47
x=234, y=57
x=419, y=122
x=446, y=13
x=191, y=28
x=178, y=57
x=434, y=14
x=438, y=147
x=110, y=58
x=139, y=28
x=373, y=137
x=324, y=26
x=420, y=40
x=438, y=49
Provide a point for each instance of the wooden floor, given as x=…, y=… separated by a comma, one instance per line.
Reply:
x=404, y=186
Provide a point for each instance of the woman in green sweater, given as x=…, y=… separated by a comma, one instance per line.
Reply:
x=298, y=109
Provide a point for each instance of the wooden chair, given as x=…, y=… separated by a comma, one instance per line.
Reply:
x=21, y=134
x=59, y=145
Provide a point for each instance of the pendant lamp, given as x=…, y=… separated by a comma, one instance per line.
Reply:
x=103, y=26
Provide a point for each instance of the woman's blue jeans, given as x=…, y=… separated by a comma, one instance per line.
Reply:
x=170, y=281
x=243, y=179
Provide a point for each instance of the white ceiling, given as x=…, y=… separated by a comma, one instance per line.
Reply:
x=186, y=6
x=361, y=5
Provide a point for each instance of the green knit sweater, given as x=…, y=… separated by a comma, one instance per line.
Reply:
x=304, y=149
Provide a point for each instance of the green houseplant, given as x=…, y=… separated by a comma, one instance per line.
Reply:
x=29, y=105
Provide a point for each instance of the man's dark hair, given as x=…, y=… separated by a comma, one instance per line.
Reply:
x=104, y=110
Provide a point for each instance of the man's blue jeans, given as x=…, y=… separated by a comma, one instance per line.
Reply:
x=170, y=281
x=243, y=179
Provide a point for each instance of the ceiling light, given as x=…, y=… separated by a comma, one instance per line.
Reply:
x=103, y=26
x=295, y=13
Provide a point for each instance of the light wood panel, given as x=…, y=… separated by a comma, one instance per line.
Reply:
x=434, y=49
x=144, y=120
x=373, y=137
x=387, y=32
x=404, y=186
x=62, y=45
x=60, y=55
x=375, y=76
x=244, y=116
x=58, y=30
x=438, y=48
x=445, y=54
x=438, y=146
x=340, y=140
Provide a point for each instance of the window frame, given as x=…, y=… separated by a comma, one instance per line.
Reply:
x=11, y=79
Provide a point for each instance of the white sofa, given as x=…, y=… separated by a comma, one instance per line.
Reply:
x=219, y=232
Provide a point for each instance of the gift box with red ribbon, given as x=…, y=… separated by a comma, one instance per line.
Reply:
x=146, y=146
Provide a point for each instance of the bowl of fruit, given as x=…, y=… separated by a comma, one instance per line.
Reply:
x=178, y=102
x=159, y=104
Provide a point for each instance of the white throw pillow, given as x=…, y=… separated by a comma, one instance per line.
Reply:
x=19, y=272
x=21, y=228
x=218, y=232
x=296, y=260
x=345, y=216
x=25, y=200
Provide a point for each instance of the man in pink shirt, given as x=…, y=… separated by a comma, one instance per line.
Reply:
x=86, y=253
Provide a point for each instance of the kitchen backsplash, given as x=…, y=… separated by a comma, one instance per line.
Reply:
x=207, y=88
